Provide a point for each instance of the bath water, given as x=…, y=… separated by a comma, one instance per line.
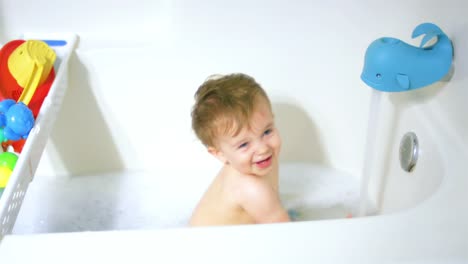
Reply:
x=314, y=192
x=142, y=200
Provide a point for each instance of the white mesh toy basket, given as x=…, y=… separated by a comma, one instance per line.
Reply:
x=28, y=159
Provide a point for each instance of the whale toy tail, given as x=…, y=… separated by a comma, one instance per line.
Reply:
x=430, y=30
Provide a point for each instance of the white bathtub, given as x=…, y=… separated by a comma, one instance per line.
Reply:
x=96, y=202
x=418, y=217
x=310, y=191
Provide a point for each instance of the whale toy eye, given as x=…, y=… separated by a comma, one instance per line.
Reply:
x=378, y=75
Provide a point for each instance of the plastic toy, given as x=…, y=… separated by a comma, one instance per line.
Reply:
x=30, y=64
x=7, y=164
x=8, y=160
x=4, y=176
x=16, y=119
x=9, y=87
x=17, y=145
x=392, y=65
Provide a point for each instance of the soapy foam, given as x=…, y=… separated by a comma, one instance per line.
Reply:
x=141, y=200
x=314, y=192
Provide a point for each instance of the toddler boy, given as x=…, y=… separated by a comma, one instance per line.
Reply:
x=233, y=118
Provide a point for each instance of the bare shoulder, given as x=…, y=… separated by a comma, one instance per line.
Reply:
x=260, y=200
x=245, y=187
x=252, y=187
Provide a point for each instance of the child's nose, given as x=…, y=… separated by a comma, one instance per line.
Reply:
x=262, y=148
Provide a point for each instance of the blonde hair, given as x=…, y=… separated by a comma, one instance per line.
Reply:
x=224, y=105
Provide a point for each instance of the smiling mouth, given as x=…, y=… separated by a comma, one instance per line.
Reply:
x=264, y=163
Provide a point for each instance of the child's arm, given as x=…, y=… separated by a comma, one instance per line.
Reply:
x=262, y=202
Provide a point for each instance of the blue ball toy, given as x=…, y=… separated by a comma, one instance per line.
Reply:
x=16, y=119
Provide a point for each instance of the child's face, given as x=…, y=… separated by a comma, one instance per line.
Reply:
x=253, y=151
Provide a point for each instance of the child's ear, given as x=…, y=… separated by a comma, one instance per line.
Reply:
x=217, y=153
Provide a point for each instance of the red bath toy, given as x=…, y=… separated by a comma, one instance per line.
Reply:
x=10, y=89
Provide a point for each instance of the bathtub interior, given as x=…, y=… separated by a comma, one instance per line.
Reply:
x=154, y=200
x=164, y=196
x=309, y=191
x=122, y=158
x=91, y=176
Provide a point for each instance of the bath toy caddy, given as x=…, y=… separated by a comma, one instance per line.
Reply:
x=28, y=160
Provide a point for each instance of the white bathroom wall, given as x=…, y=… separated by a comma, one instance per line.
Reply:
x=138, y=64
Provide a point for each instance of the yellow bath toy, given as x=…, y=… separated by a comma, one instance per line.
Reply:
x=30, y=64
x=4, y=176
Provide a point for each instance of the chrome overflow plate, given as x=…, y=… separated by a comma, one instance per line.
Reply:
x=409, y=151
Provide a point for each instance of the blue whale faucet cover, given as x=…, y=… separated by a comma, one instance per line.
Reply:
x=391, y=65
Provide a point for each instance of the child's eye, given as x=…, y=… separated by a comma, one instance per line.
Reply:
x=268, y=131
x=243, y=145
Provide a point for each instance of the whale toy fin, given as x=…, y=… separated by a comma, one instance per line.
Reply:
x=403, y=81
x=430, y=30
